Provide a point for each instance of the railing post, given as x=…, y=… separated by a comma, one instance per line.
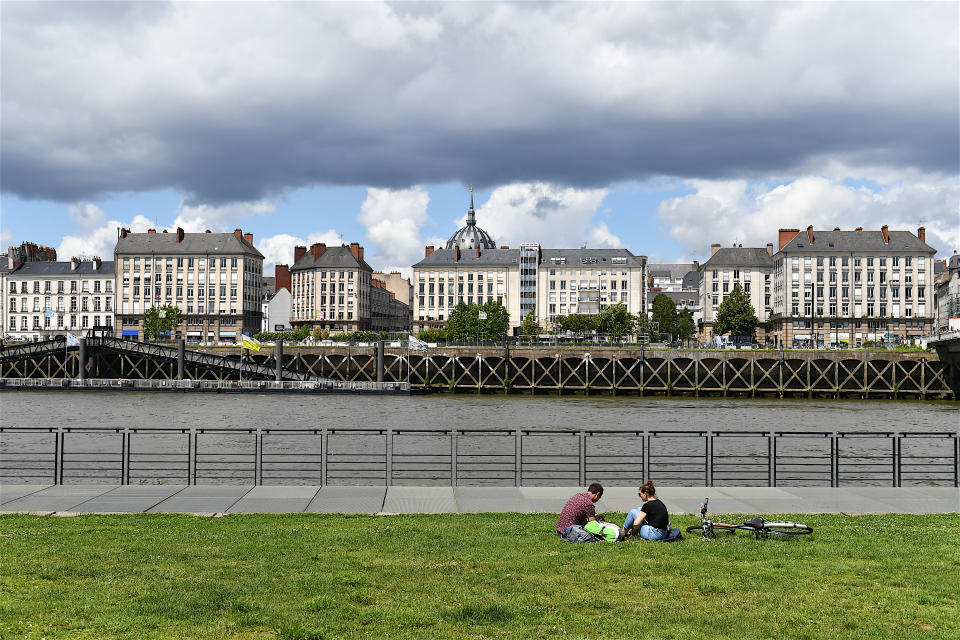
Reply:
x=58, y=457
x=324, y=448
x=709, y=458
x=191, y=457
x=582, y=441
x=956, y=461
x=896, y=460
x=278, y=356
x=645, y=445
x=834, y=460
x=772, y=458
x=125, y=461
x=258, y=458
x=453, y=457
x=517, y=457
x=82, y=374
x=379, y=353
x=181, y=357
x=389, y=456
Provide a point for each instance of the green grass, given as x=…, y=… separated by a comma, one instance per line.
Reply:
x=296, y=577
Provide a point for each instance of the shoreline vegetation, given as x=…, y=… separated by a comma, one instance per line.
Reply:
x=306, y=577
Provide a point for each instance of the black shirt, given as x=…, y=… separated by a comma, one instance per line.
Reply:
x=657, y=516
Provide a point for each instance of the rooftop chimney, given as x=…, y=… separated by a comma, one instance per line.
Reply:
x=164, y=230
x=96, y=262
x=74, y=264
x=281, y=277
x=151, y=230
x=317, y=249
x=859, y=229
x=886, y=234
x=298, y=252
x=785, y=236
x=248, y=237
x=124, y=232
x=456, y=253
x=810, y=233
x=355, y=250
x=238, y=233
x=179, y=234
x=770, y=248
x=922, y=234
x=836, y=228
x=478, y=251
x=427, y=251
x=504, y=247
x=714, y=248
x=207, y=231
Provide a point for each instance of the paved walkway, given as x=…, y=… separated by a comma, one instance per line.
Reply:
x=220, y=499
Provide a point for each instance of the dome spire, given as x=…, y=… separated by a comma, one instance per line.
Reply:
x=471, y=214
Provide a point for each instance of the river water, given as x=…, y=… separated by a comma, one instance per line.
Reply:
x=443, y=411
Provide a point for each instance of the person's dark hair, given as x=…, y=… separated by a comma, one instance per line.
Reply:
x=596, y=488
x=648, y=488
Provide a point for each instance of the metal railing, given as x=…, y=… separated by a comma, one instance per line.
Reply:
x=228, y=385
x=476, y=457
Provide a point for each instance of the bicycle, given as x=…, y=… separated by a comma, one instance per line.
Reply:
x=758, y=526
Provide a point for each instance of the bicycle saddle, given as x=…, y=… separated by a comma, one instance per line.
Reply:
x=756, y=523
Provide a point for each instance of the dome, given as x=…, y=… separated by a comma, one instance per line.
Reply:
x=471, y=236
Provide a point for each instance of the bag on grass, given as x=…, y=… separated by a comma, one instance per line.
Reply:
x=605, y=531
x=576, y=533
x=673, y=535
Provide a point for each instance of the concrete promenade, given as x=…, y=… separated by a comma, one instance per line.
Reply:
x=225, y=499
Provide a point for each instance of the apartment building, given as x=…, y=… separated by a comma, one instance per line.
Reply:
x=49, y=298
x=215, y=280
x=333, y=288
x=401, y=288
x=947, y=295
x=751, y=268
x=850, y=287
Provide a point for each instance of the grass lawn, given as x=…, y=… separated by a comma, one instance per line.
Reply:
x=471, y=576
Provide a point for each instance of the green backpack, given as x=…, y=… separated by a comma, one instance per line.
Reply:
x=605, y=531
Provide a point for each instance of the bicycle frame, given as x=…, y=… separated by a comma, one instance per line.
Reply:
x=757, y=526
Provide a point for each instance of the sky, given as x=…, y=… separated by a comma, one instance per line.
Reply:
x=659, y=127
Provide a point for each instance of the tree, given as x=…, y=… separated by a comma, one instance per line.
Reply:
x=157, y=320
x=616, y=321
x=736, y=315
x=529, y=326
x=579, y=323
x=464, y=322
x=643, y=326
x=665, y=314
x=685, y=326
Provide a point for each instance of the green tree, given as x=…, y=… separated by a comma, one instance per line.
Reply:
x=643, y=326
x=665, y=314
x=736, y=315
x=616, y=321
x=529, y=326
x=157, y=320
x=464, y=322
x=579, y=323
x=685, y=326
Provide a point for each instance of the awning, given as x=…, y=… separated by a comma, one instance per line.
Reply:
x=131, y=332
x=194, y=334
x=228, y=334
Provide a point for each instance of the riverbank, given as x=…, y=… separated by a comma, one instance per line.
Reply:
x=296, y=577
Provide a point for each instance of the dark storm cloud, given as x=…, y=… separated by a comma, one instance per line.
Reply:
x=232, y=102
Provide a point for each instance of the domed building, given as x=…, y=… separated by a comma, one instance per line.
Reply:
x=471, y=236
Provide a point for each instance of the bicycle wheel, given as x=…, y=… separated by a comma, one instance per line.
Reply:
x=715, y=529
x=786, y=529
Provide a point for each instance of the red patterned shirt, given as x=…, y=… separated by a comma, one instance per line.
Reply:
x=578, y=508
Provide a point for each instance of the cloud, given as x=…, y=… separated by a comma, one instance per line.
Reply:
x=86, y=215
x=238, y=103
x=6, y=238
x=97, y=240
x=195, y=218
x=278, y=249
x=751, y=213
x=393, y=218
x=553, y=215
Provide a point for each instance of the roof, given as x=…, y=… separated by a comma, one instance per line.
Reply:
x=46, y=268
x=674, y=271
x=691, y=280
x=739, y=257
x=468, y=257
x=861, y=241
x=691, y=298
x=192, y=243
x=576, y=257
x=331, y=258
x=4, y=263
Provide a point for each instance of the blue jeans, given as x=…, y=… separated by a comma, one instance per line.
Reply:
x=646, y=531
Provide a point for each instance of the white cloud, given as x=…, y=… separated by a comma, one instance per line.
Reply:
x=86, y=215
x=278, y=249
x=393, y=218
x=98, y=240
x=553, y=215
x=195, y=218
x=737, y=211
x=6, y=239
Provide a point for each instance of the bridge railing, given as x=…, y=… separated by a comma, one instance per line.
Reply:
x=475, y=457
x=229, y=385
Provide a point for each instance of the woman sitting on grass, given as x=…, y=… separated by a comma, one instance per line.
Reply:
x=651, y=520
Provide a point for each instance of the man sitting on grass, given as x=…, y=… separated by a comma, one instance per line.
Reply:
x=578, y=512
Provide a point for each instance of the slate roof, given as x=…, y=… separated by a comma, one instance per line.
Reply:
x=691, y=280
x=332, y=258
x=739, y=257
x=42, y=268
x=574, y=256
x=4, y=263
x=468, y=257
x=674, y=271
x=691, y=298
x=859, y=241
x=192, y=243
